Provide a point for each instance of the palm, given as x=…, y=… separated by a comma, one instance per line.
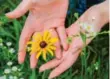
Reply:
x=52, y=15
x=43, y=15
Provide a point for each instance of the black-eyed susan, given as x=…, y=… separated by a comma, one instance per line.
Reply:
x=42, y=44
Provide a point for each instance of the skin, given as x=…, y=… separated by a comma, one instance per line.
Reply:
x=43, y=15
x=71, y=55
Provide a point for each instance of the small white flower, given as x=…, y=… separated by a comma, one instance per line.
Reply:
x=14, y=68
x=19, y=69
x=11, y=50
x=10, y=77
x=9, y=63
x=21, y=78
x=93, y=34
x=15, y=77
x=96, y=68
x=20, y=74
x=3, y=77
x=87, y=27
x=7, y=71
x=1, y=44
x=8, y=43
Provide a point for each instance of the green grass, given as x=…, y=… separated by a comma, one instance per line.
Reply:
x=91, y=64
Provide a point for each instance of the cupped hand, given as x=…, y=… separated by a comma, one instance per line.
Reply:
x=43, y=15
x=92, y=16
x=69, y=56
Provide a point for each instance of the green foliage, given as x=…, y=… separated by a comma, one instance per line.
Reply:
x=92, y=63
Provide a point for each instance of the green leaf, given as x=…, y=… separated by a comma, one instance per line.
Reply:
x=76, y=15
x=69, y=40
x=83, y=36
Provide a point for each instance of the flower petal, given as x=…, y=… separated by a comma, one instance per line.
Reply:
x=38, y=54
x=30, y=42
x=44, y=54
x=53, y=40
x=52, y=47
x=38, y=49
x=45, y=35
x=50, y=51
x=37, y=37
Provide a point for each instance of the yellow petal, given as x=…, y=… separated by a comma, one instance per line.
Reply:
x=52, y=47
x=48, y=37
x=53, y=40
x=37, y=37
x=44, y=54
x=38, y=49
x=38, y=54
x=45, y=35
x=50, y=51
x=30, y=42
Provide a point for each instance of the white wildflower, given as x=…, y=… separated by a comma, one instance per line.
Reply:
x=1, y=44
x=9, y=63
x=87, y=27
x=19, y=69
x=93, y=34
x=12, y=50
x=7, y=71
x=96, y=68
x=15, y=77
x=14, y=68
x=21, y=78
x=3, y=77
x=10, y=77
x=8, y=43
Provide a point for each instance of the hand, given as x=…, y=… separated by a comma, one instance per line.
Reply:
x=71, y=55
x=43, y=15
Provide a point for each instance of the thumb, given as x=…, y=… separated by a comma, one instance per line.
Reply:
x=22, y=8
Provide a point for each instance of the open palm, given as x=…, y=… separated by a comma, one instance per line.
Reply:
x=43, y=15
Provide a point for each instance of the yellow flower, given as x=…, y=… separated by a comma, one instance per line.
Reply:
x=42, y=44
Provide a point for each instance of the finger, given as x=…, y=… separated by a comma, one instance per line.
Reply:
x=57, y=44
x=33, y=60
x=34, y=57
x=64, y=65
x=51, y=64
x=63, y=37
x=20, y=10
x=24, y=38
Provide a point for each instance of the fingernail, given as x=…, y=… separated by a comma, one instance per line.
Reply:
x=19, y=60
x=33, y=66
x=59, y=56
x=7, y=14
x=41, y=69
x=50, y=77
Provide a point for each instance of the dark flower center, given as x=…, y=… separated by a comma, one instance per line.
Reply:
x=43, y=44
